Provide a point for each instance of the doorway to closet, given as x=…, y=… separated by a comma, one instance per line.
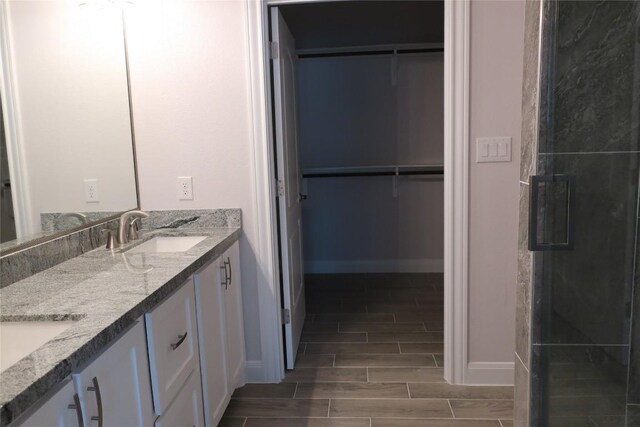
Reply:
x=358, y=109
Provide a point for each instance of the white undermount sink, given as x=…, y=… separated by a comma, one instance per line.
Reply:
x=168, y=244
x=19, y=339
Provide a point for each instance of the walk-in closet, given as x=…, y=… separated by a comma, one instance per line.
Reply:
x=367, y=135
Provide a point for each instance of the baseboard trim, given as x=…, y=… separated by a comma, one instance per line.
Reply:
x=376, y=266
x=254, y=371
x=490, y=373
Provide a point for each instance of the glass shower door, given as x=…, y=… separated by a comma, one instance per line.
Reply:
x=584, y=218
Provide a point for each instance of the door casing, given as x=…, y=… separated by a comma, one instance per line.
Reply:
x=456, y=187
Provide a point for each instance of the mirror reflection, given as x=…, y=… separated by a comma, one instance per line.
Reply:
x=67, y=152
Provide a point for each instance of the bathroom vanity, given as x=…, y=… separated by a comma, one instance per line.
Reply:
x=153, y=334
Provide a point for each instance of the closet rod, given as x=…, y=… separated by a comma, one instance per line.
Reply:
x=373, y=171
x=370, y=52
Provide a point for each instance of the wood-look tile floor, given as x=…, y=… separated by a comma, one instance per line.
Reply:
x=370, y=356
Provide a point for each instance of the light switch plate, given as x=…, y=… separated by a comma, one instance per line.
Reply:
x=91, y=194
x=185, y=188
x=496, y=149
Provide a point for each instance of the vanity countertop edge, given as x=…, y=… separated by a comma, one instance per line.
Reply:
x=107, y=292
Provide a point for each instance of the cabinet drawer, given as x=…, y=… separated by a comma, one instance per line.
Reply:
x=171, y=336
x=186, y=410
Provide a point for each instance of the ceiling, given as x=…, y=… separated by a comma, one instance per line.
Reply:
x=364, y=23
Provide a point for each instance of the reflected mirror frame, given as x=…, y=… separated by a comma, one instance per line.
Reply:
x=36, y=241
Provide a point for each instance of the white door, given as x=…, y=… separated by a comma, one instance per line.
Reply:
x=115, y=389
x=289, y=180
x=234, y=322
x=209, y=283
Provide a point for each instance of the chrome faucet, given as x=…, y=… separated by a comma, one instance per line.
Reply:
x=123, y=226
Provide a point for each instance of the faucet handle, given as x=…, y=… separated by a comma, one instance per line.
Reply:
x=110, y=239
x=133, y=229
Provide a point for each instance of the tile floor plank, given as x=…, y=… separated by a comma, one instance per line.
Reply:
x=406, y=337
x=327, y=375
x=232, y=422
x=378, y=360
x=344, y=348
x=486, y=409
x=314, y=361
x=334, y=337
x=277, y=408
x=448, y=391
x=390, y=408
x=352, y=390
x=281, y=391
x=307, y=422
x=423, y=422
x=381, y=327
x=312, y=327
x=405, y=375
x=422, y=347
x=368, y=317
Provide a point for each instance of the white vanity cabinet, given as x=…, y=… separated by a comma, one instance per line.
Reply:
x=220, y=332
x=186, y=409
x=178, y=366
x=173, y=345
x=234, y=318
x=114, y=389
x=57, y=411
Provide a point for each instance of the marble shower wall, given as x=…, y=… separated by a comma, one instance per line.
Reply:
x=529, y=150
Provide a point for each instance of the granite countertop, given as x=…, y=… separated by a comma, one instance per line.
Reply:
x=106, y=291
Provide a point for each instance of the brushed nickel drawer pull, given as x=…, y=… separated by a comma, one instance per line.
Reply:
x=76, y=405
x=228, y=262
x=96, y=388
x=225, y=283
x=181, y=339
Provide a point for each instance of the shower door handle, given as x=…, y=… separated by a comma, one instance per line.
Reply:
x=552, y=201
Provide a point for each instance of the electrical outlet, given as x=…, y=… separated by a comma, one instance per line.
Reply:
x=185, y=188
x=91, y=191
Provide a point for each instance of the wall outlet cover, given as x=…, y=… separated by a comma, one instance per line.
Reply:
x=91, y=194
x=495, y=149
x=185, y=188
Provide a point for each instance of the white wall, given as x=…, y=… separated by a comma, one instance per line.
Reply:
x=73, y=105
x=191, y=104
x=190, y=76
x=497, y=46
x=367, y=111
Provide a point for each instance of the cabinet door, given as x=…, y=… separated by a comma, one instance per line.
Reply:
x=209, y=282
x=173, y=345
x=186, y=409
x=56, y=411
x=234, y=319
x=115, y=387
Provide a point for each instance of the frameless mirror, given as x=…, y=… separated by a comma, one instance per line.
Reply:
x=67, y=147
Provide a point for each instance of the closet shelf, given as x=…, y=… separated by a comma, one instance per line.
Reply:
x=390, y=170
